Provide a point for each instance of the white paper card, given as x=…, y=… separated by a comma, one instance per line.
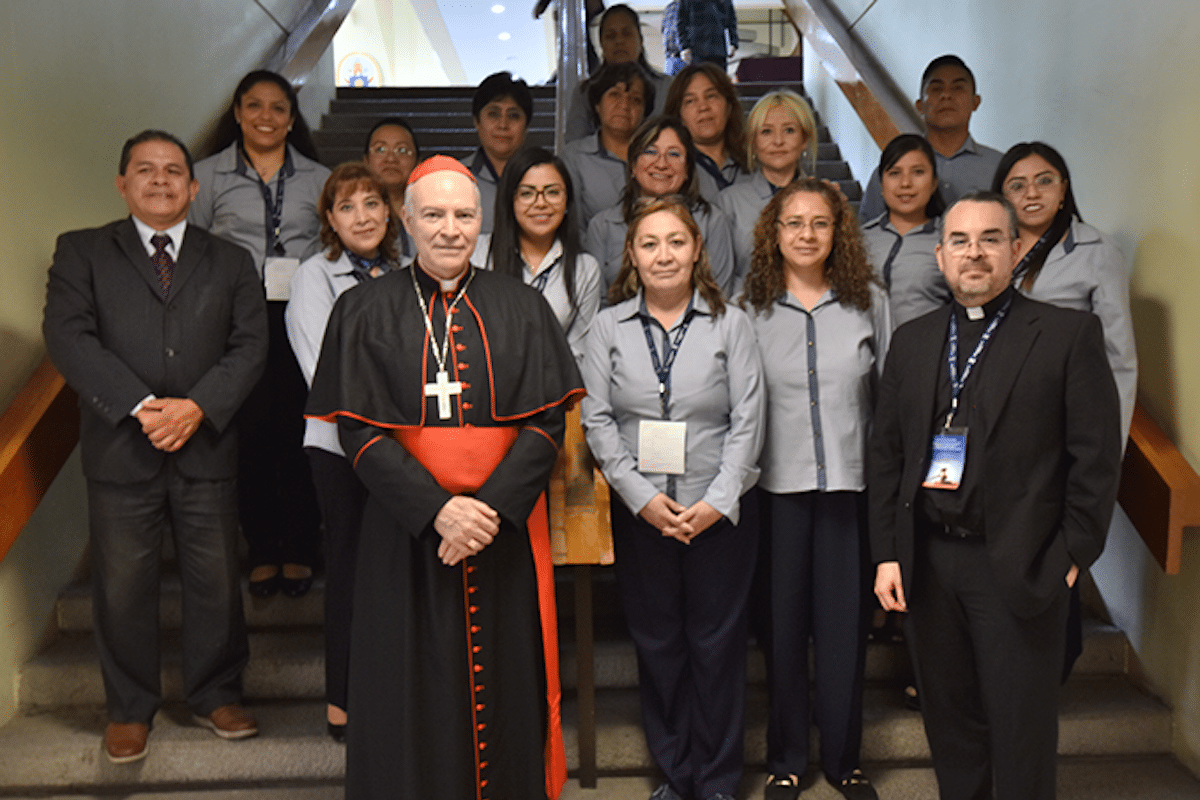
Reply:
x=277, y=274
x=662, y=445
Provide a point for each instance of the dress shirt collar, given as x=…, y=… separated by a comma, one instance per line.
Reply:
x=175, y=232
x=636, y=307
x=551, y=258
x=884, y=222
x=789, y=300
x=240, y=163
x=989, y=308
x=969, y=146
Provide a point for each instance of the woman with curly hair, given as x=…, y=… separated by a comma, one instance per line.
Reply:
x=823, y=327
x=673, y=416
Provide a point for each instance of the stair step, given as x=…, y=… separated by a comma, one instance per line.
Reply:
x=1099, y=718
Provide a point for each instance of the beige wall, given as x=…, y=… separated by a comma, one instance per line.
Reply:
x=1112, y=86
x=78, y=78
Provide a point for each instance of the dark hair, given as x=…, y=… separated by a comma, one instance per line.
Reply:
x=621, y=8
x=901, y=146
x=643, y=137
x=1033, y=261
x=499, y=85
x=505, y=248
x=347, y=179
x=151, y=135
x=627, y=282
x=611, y=75
x=948, y=60
x=847, y=268
x=735, y=124
x=983, y=196
x=229, y=131
x=399, y=122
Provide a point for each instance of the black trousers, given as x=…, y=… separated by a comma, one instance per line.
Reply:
x=127, y=524
x=815, y=546
x=342, y=498
x=989, y=680
x=276, y=500
x=686, y=607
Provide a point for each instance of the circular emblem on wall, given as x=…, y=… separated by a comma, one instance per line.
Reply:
x=359, y=71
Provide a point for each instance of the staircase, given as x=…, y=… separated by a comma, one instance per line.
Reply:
x=54, y=747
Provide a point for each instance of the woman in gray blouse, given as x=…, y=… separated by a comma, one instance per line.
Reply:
x=673, y=416
x=823, y=326
x=782, y=143
x=705, y=99
x=901, y=240
x=661, y=163
x=260, y=190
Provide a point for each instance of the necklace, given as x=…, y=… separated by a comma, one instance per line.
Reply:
x=443, y=387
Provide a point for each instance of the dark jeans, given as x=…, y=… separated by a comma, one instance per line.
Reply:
x=127, y=523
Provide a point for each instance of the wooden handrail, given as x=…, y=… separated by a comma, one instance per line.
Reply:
x=1160, y=492
x=37, y=433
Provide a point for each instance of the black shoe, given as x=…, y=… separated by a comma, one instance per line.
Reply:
x=296, y=587
x=337, y=732
x=912, y=700
x=265, y=588
x=665, y=792
x=783, y=787
x=857, y=787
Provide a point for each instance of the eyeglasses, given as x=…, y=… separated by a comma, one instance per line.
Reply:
x=793, y=225
x=1018, y=186
x=961, y=245
x=382, y=150
x=553, y=193
x=672, y=154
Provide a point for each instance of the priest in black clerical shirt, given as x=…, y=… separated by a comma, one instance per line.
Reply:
x=1013, y=400
x=449, y=386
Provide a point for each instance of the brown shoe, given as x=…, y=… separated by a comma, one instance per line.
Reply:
x=126, y=741
x=229, y=722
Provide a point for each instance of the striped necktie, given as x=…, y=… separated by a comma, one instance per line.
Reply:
x=164, y=265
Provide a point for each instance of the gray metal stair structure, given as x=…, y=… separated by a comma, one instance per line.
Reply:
x=53, y=747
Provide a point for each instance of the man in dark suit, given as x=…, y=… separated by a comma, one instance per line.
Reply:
x=981, y=548
x=161, y=329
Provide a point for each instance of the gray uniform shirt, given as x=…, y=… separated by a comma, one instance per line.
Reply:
x=907, y=265
x=820, y=368
x=230, y=203
x=486, y=178
x=1087, y=271
x=606, y=241
x=972, y=167
x=742, y=203
x=597, y=176
x=579, y=116
x=716, y=388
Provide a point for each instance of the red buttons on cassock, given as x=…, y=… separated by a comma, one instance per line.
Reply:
x=479, y=668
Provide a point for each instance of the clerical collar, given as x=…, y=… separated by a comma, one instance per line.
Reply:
x=989, y=308
x=442, y=285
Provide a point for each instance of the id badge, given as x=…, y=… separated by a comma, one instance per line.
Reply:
x=277, y=274
x=947, y=459
x=662, y=445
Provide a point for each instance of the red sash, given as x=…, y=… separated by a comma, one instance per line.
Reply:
x=461, y=460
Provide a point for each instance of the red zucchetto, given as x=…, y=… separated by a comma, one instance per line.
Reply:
x=438, y=163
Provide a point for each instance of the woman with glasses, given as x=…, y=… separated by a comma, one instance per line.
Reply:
x=621, y=96
x=392, y=152
x=823, y=327
x=673, y=416
x=704, y=98
x=358, y=229
x=901, y=241
x=536, y=240
x=260, y=190
x=1066, y=262
x=782, y=135
x=660, y=164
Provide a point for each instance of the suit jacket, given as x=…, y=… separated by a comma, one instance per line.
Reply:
x=1050, y=446
x=116, y=340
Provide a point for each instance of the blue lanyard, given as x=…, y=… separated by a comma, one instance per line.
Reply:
x=274, y=208
x=957, y=383
x=713, y=169
x=662, y=369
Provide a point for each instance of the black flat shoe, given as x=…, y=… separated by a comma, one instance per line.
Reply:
x=265, y=588
x=295, y=587
x=336, y=732
x=781, y=787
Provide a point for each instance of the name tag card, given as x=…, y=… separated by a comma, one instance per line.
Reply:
x=947, y=459
x=662, y=445
x=277, y=274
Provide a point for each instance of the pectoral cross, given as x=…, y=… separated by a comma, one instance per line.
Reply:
x=443, y=389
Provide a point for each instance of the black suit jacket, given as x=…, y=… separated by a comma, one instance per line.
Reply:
x=116, y=340
x=1050, y=445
